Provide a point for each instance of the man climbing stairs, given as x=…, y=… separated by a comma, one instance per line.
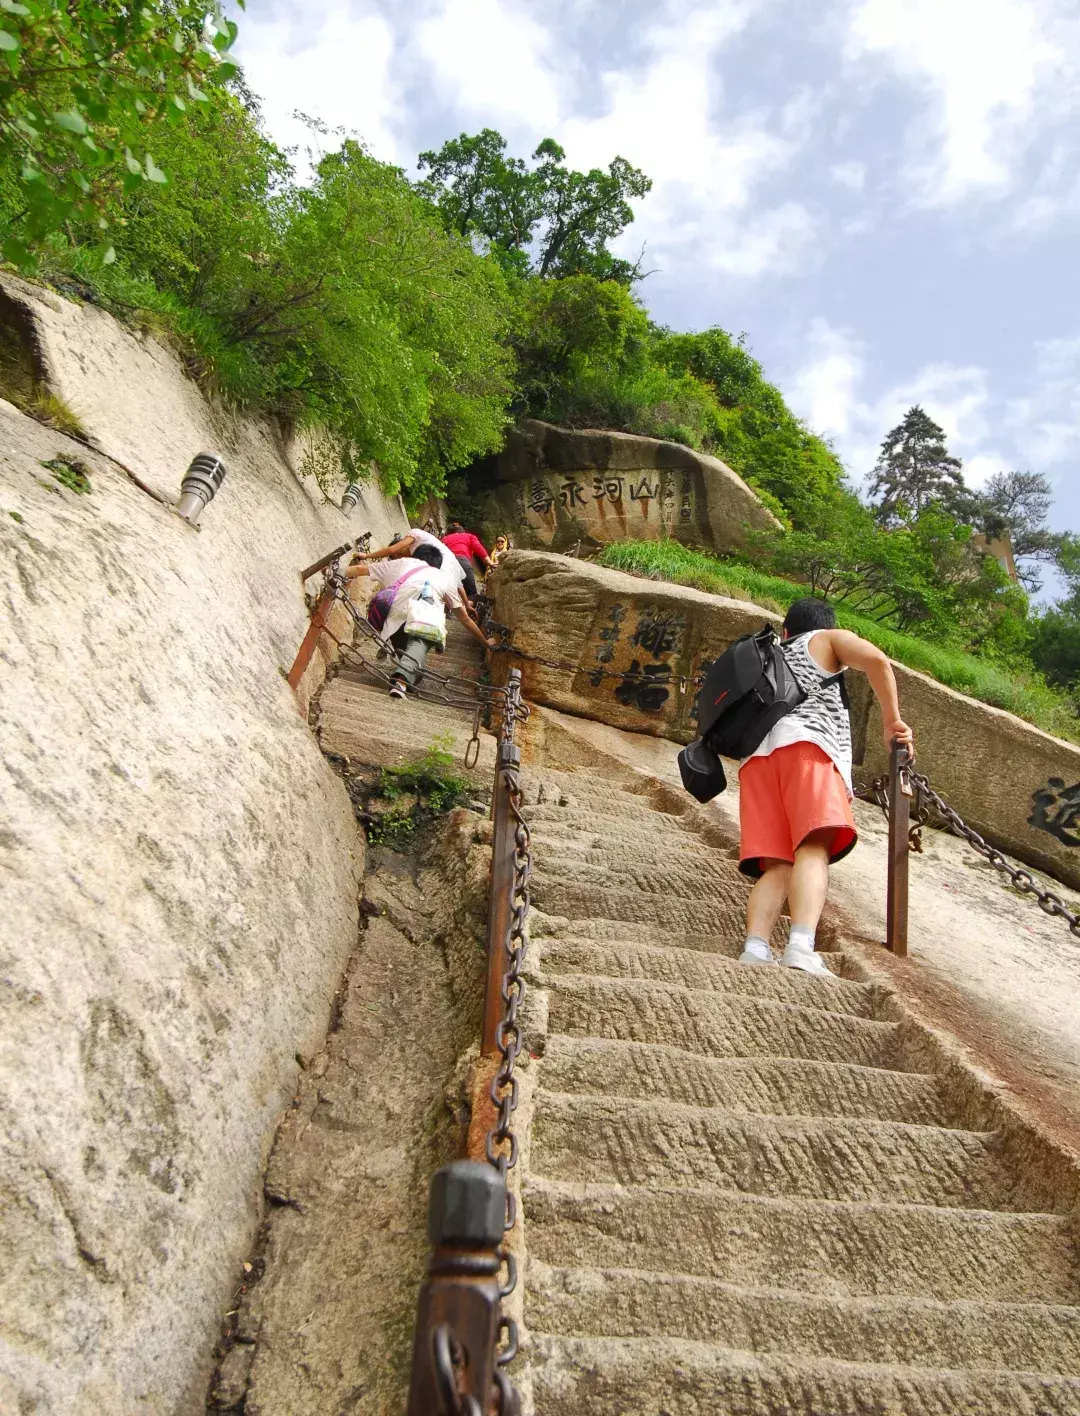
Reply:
x=743, y=1190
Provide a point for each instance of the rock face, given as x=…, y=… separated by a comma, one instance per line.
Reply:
x=552, y=488
x=632, y=649
x=178, y=867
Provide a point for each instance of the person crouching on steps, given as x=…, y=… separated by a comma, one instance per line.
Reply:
x=795, y=791
x=412, y=573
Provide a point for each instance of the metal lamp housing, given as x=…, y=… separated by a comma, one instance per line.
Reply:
x=200, y=485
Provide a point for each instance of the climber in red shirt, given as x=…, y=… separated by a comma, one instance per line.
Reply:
x=467, y=548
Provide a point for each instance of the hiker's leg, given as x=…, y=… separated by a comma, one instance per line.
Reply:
x=763, y=909
x=806, y=899
x=810, y=880
x=413, y=658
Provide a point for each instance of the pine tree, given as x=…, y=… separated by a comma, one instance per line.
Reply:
x=914, y=469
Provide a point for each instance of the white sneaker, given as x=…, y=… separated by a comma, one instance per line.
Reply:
x=756, y=952
x=806, y=960
x=397, y=689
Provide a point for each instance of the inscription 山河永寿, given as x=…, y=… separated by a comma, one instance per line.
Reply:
x=607, y=505
x=1055, y=809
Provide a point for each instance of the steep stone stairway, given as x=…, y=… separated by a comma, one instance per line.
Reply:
x=742, y=1190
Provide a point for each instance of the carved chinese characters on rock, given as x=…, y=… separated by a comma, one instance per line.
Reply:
x=1055, y=809
x=604, y=505
x=633, y=654
x=608, y=635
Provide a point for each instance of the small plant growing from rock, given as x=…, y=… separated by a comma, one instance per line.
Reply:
x=414, y=794
x=70, y=473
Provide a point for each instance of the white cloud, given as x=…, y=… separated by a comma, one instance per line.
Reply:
x=338, y=70
x=990, y=68
x=849, y=174
x=491, y=58
x=825, y=388
x=663, y=117
x=1046, y=422
x=827, y=392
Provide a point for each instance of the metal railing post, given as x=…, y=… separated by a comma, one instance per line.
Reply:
x=503, y=848
x=306, y=651
x=896, y=910
x=457, y=1317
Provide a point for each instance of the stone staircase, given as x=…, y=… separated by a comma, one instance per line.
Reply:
x=743, y=1191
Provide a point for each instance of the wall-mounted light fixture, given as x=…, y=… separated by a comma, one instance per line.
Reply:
x=200, y=484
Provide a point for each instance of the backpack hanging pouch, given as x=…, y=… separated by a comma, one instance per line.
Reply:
x=425, y=617
x=702, y=771
x=381, y=603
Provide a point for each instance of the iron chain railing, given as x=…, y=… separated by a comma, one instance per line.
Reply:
x=464, y=1341
x=903, y=791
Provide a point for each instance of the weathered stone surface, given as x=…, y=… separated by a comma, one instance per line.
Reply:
x=634, y=647
x=557, y=487
x=178, y=868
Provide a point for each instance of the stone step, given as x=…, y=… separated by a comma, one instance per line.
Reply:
x=758, y=1086
x=606, y=812
x=1026, y=1337
x=692, y=877
x=828, y=1247
x=373, y=729
x=692, y=968
x=684, y=915
x=715, y=1024
x=589, y=847
x=605, y=1140
x=662, y=1377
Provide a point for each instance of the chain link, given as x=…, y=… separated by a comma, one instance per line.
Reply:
x=927, y=801
x=501, y=1144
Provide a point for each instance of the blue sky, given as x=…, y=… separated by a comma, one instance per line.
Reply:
x=883, y=194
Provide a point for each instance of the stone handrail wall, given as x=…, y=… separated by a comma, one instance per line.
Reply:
x=1016, y=785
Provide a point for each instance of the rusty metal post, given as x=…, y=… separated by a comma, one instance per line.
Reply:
x=457, y=1318
x=896, y=912
x=311, y=638
x=503, y=848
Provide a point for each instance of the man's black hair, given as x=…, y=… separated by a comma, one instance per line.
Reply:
x=807, y=614
x=429, y=554
x=456, y=526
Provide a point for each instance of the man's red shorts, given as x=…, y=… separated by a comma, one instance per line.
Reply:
x=783, y=797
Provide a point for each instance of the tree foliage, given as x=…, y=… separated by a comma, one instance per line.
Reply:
x=85, y=89
x=914, y=469
x=546, y=219
x=1017, y=505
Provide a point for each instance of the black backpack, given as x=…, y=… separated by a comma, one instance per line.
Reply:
x=745, y=694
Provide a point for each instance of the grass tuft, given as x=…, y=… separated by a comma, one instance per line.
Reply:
x=1021, y=691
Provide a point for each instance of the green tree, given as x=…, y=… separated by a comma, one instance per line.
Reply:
x=914, y=468
x=753, y=429
x=546, y=218
x=1017, y=504
x=84, y=90
x=585, y=352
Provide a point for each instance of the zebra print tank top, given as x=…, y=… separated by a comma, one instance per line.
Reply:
x=822, y=719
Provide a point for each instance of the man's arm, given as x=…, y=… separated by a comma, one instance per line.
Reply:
x=474, y=629
x=855, y=653
x=479, y=550
x=405, y=545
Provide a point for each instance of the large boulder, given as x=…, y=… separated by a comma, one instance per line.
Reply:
x=626, y=651
x=552, y=488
